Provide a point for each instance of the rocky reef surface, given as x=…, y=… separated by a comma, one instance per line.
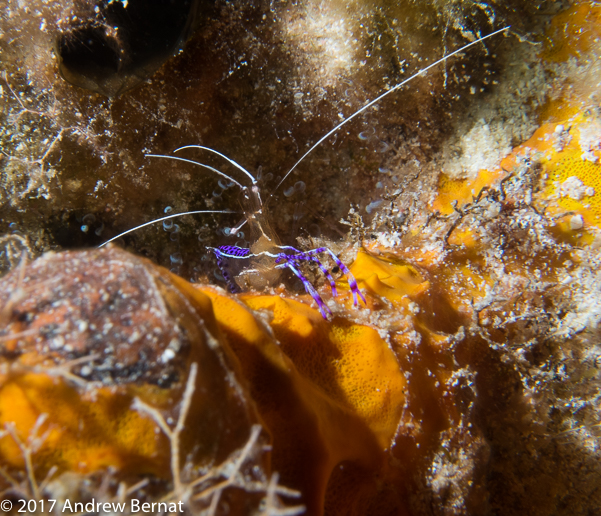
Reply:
x=260, y=82
x=467, y=206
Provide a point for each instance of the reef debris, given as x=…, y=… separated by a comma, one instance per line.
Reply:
x=116, y=382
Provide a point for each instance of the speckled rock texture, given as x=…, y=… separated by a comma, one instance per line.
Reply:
x=465, y=204
x=259, y=82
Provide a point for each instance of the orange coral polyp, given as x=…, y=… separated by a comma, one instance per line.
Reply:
x=80, y=434
x=462, y=190
x=573, y=32
x=329, y=392
x=565, y=161
x=351, y=363
x=387, y=277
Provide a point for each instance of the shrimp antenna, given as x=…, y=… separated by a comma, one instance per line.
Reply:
x=160, y=220
x=376, y=100
x=238, y=166
x=177, y=158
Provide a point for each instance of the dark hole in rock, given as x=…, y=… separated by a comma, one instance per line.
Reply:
x=112, y=46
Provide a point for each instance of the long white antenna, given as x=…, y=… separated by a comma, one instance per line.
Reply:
x=160, y=220
x=376, y=100
x=176, y=158
x=239, y=167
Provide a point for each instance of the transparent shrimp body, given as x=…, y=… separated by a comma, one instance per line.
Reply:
x=251, y=268
x=266, y=258
x=260, y=266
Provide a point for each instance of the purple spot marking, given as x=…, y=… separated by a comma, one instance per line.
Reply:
x=231, y=251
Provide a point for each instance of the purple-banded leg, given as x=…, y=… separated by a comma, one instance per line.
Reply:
x=222, y=254
x=310, y=255
x=231, y=251
x=300, y=255
x=349, y=277
x=222, y=263
x=323, y=308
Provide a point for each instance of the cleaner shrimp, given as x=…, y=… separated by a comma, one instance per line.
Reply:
x=260, y=265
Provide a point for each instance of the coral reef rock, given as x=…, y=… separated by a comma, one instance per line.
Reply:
x=117, y=383
x=467, y=206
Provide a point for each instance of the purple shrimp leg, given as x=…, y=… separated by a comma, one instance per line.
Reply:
x=349, y=275
x=310, y=255
x=323, y=308
x=300, y=255
x=222, y=254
